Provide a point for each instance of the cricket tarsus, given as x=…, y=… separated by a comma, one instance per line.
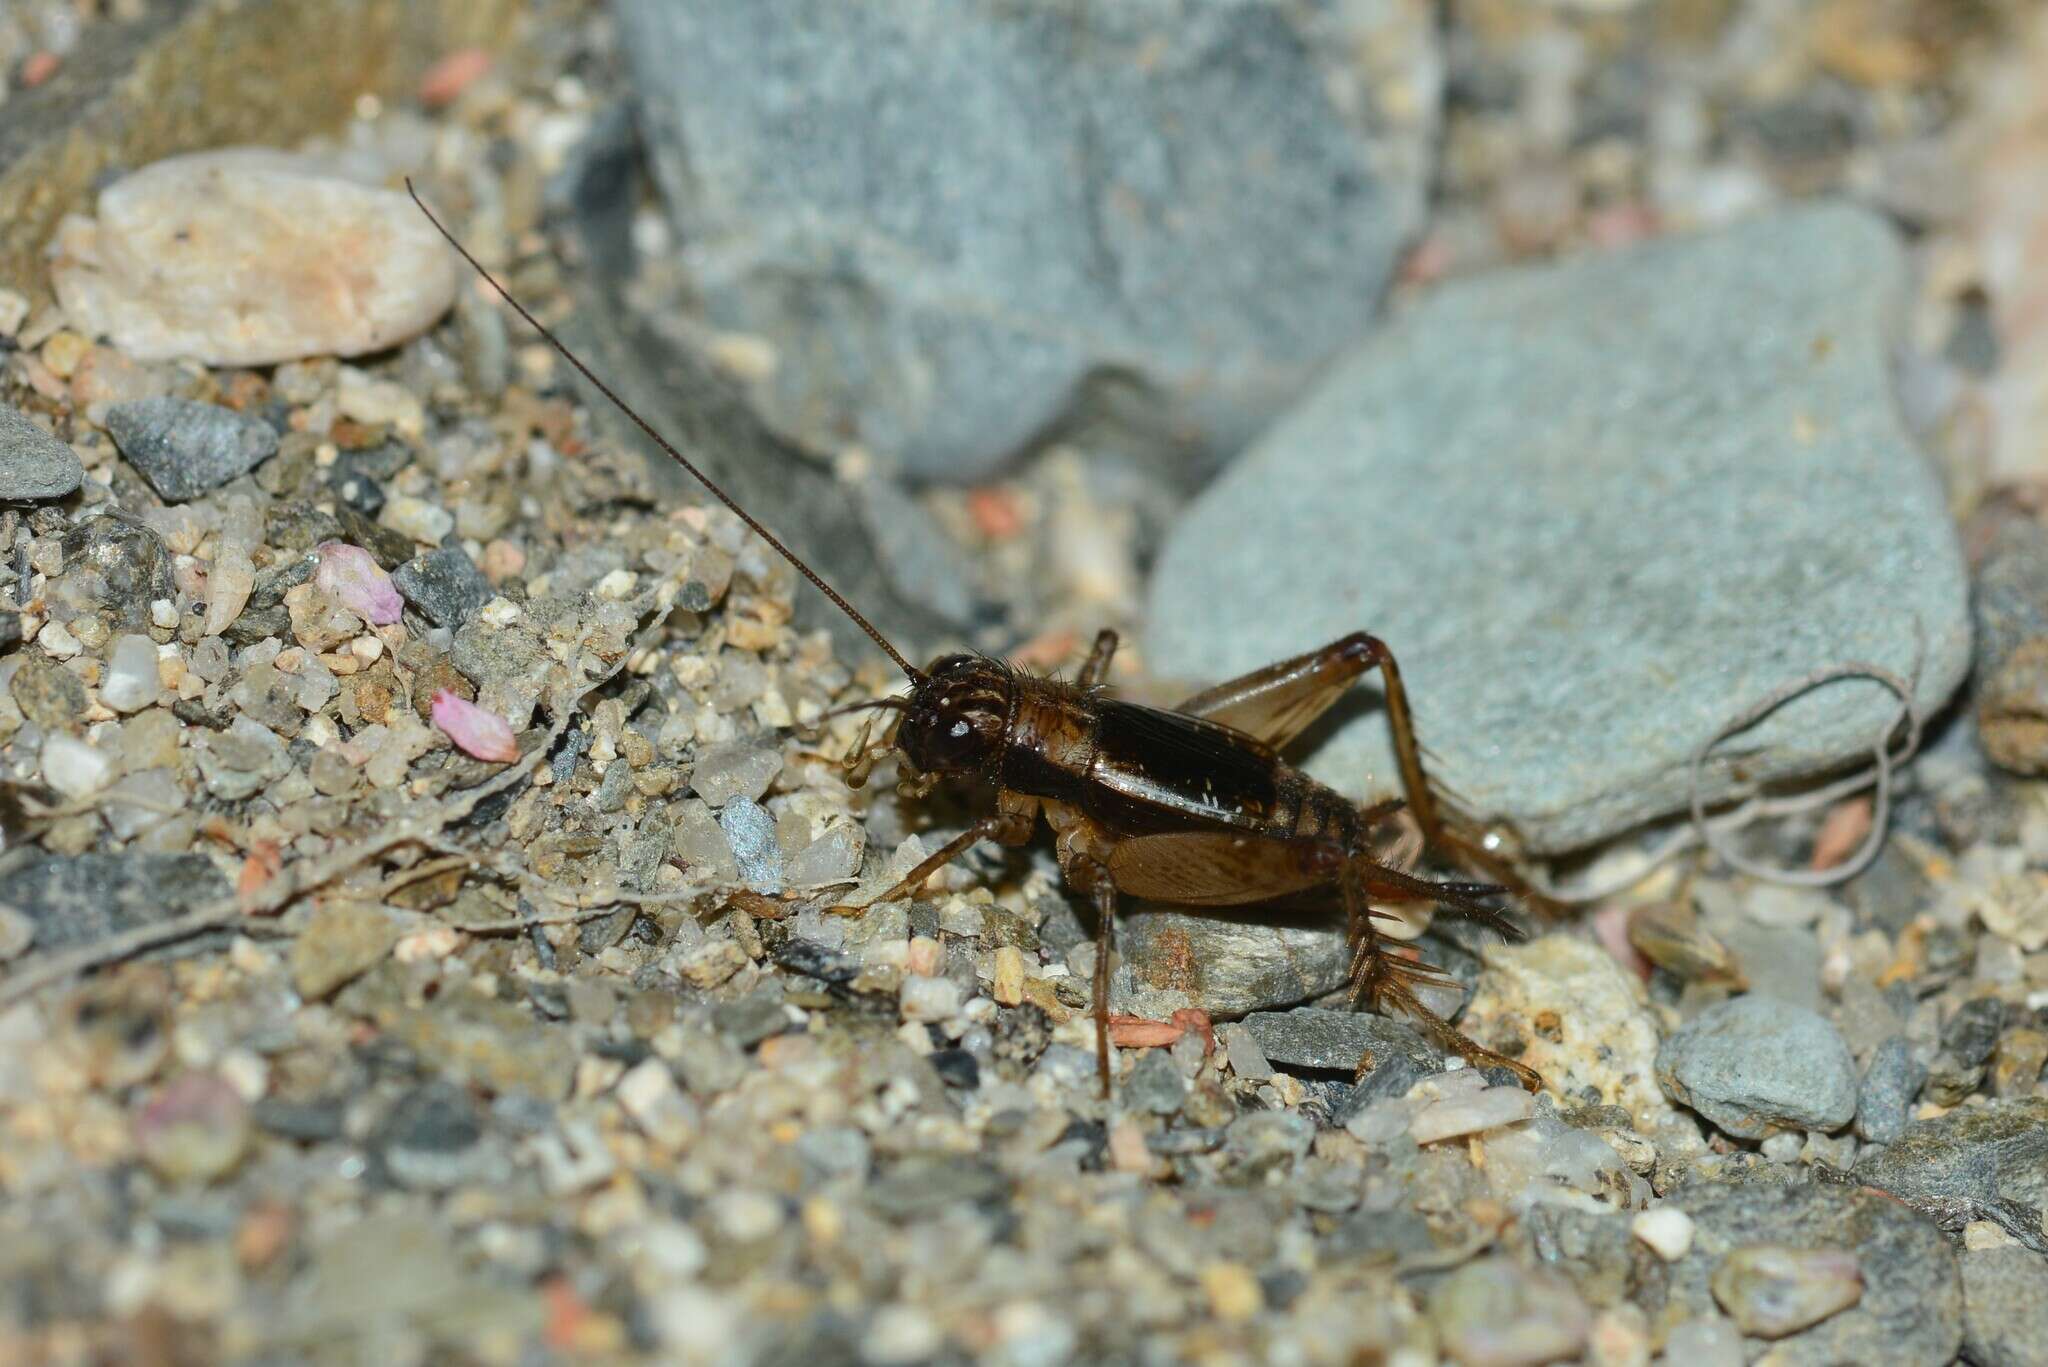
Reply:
x=668, y=447
x=1192, y=806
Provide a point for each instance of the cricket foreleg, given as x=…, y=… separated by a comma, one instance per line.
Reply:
x=1010, y=825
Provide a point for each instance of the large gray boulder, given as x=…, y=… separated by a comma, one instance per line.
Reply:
x=956, y=221
x=1597, y=509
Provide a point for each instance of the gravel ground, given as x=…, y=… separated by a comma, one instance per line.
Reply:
x=423, y=830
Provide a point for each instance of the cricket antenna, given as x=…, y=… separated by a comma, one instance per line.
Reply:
x=678, y=457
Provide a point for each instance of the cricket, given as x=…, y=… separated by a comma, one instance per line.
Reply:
x=1191, y=806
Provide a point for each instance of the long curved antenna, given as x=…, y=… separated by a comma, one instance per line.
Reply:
x=663, y=442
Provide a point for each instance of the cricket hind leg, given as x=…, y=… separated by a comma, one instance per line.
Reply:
x=1379, y=980
x=1105, y=943
x=1279, y=702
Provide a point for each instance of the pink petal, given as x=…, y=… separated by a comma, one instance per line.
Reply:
x=352, y=576
x=485, y=735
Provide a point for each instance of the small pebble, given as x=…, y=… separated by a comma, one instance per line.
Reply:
x=931, y=999
x=1007, y=986
x=34, y=466
x=1704, y=1341
x=185, y=449
x=17, y=933
x=1771, y=1291
x=337, y=944
x=750, y=830
x=1884, y=1100
x=649, y=1094
x=1154, y=1084
x=356, y=581
x=1754, y=1063
x=417, y=518
x=131, y=682
x=832, y=858
x=1488, y=1110
x=1666, y=1230
x=444, y=585
x=247, y=256
x=742, y=769
x=74, y=768
x=194, y=1128
x=1493, y=1313
x=1247, y=1059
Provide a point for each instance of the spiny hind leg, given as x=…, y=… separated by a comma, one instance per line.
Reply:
x=1379, y=980
x=1105, y=943
x=1277, y=703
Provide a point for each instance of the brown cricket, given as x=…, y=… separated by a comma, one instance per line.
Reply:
x=1192, y=806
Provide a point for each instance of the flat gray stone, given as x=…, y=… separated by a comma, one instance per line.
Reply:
x=1986, y=1162
x=1911, y=1310
x=1755, y=1064
x=34, y=466
x=1212, y=196
x=80, y=899
x=1597, y=509
x=445, y=585
x=185, y=448
x=1313, y=1037
x=1177, y=959
x=2005, y=1306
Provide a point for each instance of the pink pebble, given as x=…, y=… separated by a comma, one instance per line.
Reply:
x=485, y=735
x=352, y=576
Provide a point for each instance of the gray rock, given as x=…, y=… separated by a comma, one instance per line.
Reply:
x=921, y=1187
x=2009, y=597
x=830, y=858
x=386, y=1274
x=445, y=585
x=1884, y=1099
x=1780, y=962
x=831, y=1151
x=184, y=448
x=1753, y=1064
x=1911, y=1310
x=34, y=466
x=1596, y=509
x=435, y=1139
x=2005, y=1306
x=79, y=899
x=1264, y=1139
x=752, y=1018
x=1176, y=959
x=49, y=695
x=751, y=832
x=1212, y=196
x=469, y=1038
x=512, y=657
x=739, y=769
x=1154, y=1084
x=1986, y=1162
x=115, y=567
x=1311, y=1037
x=1496, y=1311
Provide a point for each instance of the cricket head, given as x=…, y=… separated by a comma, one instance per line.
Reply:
x=956, y=715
